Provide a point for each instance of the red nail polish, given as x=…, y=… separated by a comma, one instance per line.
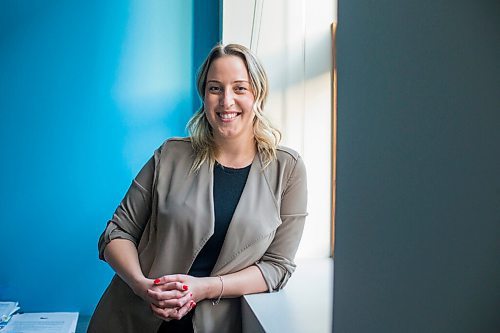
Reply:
x=157, y=281
x=191, y=294
x=185, y=287
x=193, y=304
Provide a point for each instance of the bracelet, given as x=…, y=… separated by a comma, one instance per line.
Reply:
x=221, y=291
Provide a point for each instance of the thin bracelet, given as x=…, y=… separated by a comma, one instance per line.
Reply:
x=221, y=291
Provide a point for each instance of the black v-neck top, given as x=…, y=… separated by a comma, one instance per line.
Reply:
x=228, y=187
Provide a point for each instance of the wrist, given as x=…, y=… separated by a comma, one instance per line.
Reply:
x=211, y=287
x=216, y=301
x=137, y=284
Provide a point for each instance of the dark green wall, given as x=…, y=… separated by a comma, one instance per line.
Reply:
x=418, y=192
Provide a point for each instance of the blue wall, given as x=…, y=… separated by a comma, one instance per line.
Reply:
x=88, y=89
x=418, y=184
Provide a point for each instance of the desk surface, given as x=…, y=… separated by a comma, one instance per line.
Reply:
x=304, y=305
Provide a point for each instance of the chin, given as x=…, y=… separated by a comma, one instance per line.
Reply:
x=229, y=134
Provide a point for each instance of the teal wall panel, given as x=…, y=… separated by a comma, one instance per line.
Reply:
x=88, y=90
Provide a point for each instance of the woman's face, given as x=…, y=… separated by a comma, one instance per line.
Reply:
x=229, y=99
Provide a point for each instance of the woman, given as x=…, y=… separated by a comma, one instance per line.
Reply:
x=209, y=218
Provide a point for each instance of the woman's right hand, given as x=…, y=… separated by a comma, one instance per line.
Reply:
x=167, y=300
x=169, y=294
x=168, y=314
x=171, y=299
x=140, y=288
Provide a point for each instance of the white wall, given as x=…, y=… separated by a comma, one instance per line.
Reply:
x=293, y=40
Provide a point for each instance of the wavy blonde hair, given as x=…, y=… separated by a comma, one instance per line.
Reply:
x=267, y=137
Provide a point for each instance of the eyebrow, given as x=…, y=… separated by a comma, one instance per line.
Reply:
x=237, y=81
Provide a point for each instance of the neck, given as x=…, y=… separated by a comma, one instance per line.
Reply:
x=236, y=153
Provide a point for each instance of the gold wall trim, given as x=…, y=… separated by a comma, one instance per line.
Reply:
x=334, y=136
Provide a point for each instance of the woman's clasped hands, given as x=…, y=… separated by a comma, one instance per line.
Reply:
x=171, y=297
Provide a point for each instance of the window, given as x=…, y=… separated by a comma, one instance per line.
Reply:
x=293, y=38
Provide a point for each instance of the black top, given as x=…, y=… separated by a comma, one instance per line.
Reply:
x=228, y=186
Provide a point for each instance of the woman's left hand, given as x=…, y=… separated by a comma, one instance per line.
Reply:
x=169, y=294
x=194, y=289
x=169, y=302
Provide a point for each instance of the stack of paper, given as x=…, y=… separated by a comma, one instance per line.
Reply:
x=43, y=322
x=7, y=309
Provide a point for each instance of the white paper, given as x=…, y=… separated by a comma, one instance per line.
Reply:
x=7, y=309
x=43, y=322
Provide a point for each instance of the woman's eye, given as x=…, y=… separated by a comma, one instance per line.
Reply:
x=214, y=89
x=241, y=89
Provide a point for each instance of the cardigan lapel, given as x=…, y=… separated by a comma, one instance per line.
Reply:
x=256, y=215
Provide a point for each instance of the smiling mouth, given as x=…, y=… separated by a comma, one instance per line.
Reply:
x=227, y=116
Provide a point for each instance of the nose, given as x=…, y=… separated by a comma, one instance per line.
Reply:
x=227, y=99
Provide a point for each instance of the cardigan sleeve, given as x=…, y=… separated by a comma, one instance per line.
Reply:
x=277, y=264
x=134, y=211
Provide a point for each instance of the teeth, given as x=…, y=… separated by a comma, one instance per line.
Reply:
x=228, y=115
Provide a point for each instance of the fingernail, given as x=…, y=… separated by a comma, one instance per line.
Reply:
x=185, y=287
x=157, y=281
x=191, y=294
x=193, y=304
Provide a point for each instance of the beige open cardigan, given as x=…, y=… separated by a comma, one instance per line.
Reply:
x=168, y=213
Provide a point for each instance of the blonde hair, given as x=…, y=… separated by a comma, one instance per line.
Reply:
x=267, y=137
